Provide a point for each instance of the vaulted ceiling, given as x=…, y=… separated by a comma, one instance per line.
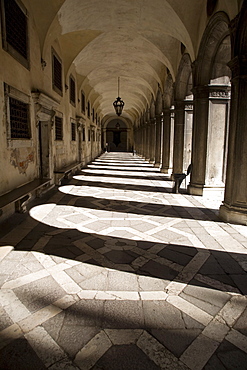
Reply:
x=139, y=41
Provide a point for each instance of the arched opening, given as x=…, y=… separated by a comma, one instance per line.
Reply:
x=211, y=81
x=117, y=136
x=183, y=117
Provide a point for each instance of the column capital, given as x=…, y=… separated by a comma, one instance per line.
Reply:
x=219, y=92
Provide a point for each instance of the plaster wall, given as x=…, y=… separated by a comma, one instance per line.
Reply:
x=18, y=157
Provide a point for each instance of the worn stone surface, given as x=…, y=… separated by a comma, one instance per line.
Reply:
x=134, y=278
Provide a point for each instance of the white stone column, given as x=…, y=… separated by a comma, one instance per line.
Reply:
x=178, y=144
x=159, y=122
x=209, y=139
x=166, y=150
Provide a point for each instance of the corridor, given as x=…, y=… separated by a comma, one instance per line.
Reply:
x=113, y=271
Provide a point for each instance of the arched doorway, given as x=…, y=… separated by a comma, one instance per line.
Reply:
x=116, y=136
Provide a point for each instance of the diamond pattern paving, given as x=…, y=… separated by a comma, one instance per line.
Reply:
x=114, y=271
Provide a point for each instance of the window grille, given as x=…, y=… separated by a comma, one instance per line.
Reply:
x=58, y=128
x=73, y=131
x=83, y=103
x=15, y=31
x=57, y=74
x=19, y=119
x=72, y=90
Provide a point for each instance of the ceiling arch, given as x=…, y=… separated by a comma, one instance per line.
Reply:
x=134, y=40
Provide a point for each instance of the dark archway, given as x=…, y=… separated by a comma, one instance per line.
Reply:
x=116, y=136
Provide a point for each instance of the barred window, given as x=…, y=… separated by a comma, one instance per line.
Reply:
x=72, y=90
x=15, y=30
x=73, y=131
x=93, y=115
x=88, y=109
x=57, y=74
x=83, y=103
x=89, y=135
x=19, y=119
x=58, y=128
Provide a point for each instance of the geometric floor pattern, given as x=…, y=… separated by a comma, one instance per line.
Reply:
x=113, y=271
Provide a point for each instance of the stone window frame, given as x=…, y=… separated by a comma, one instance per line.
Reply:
x=88, y=109
x=12, y=92
x=89, y=135
x=54, y=54
x=72, y=90
x=6, y=45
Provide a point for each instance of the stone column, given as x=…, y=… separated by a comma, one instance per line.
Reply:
x=166, y=150
x=138, y=139
x=148, y=141
x=142, y=140
x=209, y=139
x=152, y=140
x=171, y=138
x=159, y=122
x=199, y=140
x=234, y=207
x=188, y=123
x=178, y=145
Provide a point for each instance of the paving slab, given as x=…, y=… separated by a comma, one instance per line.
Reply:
x=113, y=271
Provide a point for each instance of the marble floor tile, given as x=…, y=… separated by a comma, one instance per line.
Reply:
x=112, y=266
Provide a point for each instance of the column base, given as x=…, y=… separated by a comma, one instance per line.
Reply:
x=208, y=191
x=235, y=215
x=166, y=170
x=157, y=165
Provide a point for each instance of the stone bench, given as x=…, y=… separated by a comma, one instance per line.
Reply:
x=178, y=179
x=66, y=172
x=21, y=195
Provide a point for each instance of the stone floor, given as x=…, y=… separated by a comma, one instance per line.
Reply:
x=113, y=271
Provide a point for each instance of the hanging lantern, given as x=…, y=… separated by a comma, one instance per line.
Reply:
x=118, y=103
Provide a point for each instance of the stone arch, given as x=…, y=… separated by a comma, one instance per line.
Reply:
x=183, y=116
x=183, y=84
x=168, y=95
x=152, y=109
x=215, y=33
x=211, y=89
x=158, y=102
